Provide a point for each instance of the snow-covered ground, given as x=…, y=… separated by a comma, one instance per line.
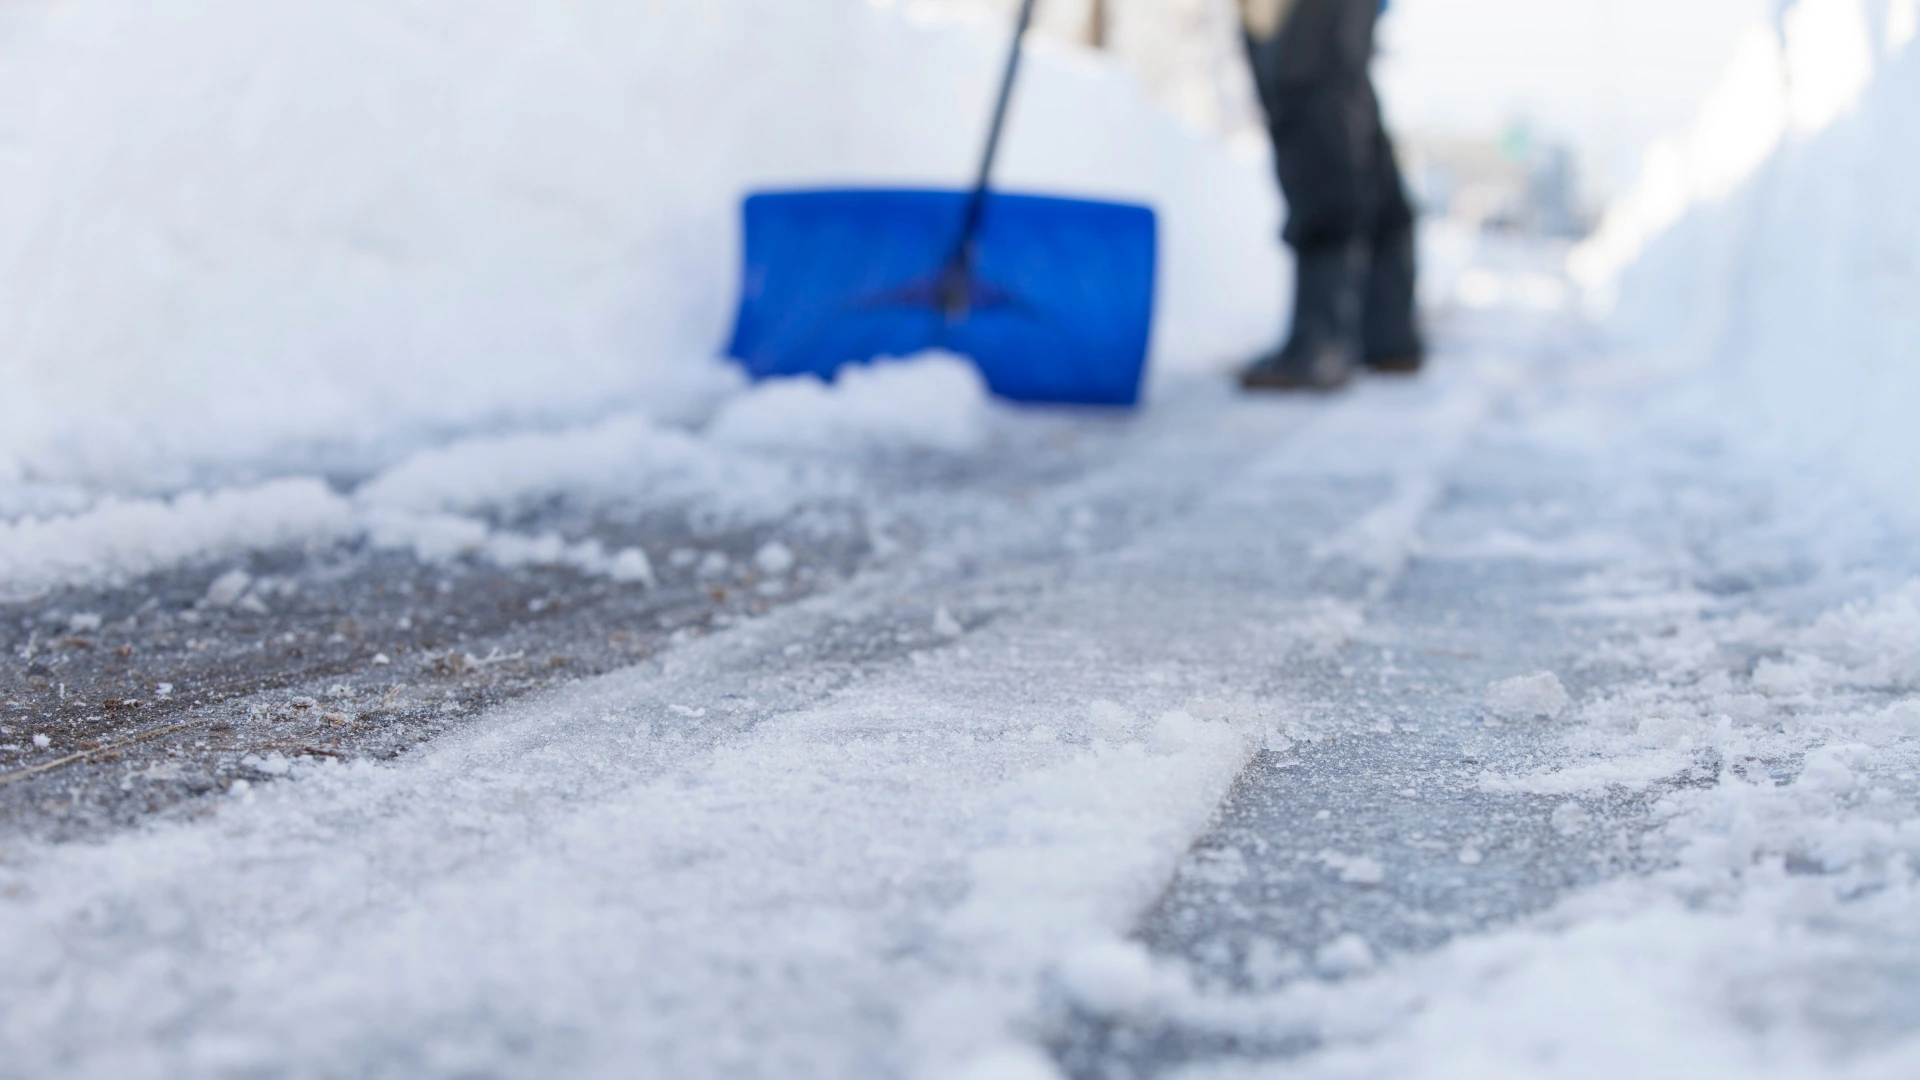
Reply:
x=1626, y=648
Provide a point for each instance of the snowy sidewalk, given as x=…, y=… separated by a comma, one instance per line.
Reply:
x=818, y=844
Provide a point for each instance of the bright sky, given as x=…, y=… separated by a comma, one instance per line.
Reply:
x=1609, y=75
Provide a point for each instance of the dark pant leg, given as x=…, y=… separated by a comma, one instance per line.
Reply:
x=1325, y=124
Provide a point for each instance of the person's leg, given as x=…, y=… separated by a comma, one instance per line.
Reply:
x=1389, y=326
x=1312, y=81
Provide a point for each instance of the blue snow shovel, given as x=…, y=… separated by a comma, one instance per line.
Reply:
x=1051, y=298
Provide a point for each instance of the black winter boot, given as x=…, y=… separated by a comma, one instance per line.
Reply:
x=1323, y=349
x=1390, y=330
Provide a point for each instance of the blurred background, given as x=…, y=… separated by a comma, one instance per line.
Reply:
x=1517, y=113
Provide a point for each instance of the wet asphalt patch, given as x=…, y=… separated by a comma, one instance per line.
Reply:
x=120, y=703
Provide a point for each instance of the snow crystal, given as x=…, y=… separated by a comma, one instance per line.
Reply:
x=42, y=741
x=1528, y=696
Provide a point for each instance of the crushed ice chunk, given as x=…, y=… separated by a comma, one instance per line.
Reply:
x=274, y=764
x=632, y=565
x=774, y=558
x=1354, y=869
x=1831, y=768
x=1524, y=697
x=1221, y=867
x=945, y=625
x=1570, y=818
x=1109, y=978
x=228, y=588
x=1348, y=954
x=1664, y=732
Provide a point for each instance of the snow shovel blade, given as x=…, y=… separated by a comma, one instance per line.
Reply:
x=1059, y=303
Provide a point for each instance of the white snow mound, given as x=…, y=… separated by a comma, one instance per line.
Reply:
x=936, y=401
x=1525, y=697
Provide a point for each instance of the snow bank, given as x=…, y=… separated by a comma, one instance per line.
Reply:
x=122, y=538
x=1780, y=241
x=236, y=232
x=438, y=503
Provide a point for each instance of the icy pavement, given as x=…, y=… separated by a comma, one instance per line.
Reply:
x=1500, y=722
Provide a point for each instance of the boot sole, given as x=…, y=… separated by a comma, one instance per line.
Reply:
x=1396, y=365
x=1271, y=381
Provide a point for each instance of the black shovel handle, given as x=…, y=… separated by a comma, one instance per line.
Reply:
x=956, y=288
